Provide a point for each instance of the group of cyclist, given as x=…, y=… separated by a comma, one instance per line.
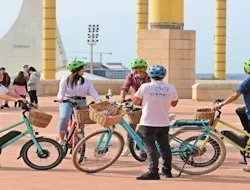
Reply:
x=149, y=90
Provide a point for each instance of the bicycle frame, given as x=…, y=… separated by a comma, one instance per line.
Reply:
x=75, y=126
x=176, y=151
x=28, y=131
x=218, y=120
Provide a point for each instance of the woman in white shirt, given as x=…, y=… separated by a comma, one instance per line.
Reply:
x=73, y=86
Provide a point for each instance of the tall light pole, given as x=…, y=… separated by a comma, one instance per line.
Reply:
x=103, y=53
x=77, y=57
x=92, y=40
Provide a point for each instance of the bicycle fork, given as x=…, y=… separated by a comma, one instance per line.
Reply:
x=103, y=149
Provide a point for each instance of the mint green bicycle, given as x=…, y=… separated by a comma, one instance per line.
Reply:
x=39, y=145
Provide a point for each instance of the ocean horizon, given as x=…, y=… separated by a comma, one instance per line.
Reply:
x=229, y=76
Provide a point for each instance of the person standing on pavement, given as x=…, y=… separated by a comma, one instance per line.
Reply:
x=20, y=87
x=26, y=72
x=5, y=82
x=33, y=84
x=134, y=80
x=5, y=94
x=156, y=98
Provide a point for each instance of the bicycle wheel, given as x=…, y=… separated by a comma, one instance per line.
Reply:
x=79, y=136
x=139, y=155
x=198, y=161
x=96, y=152
x=69, y=135
x=45, y=157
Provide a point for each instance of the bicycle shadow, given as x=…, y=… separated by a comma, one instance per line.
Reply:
x=118, y=173
x=232, y=163
x=25, y=169
x=216, y=179
x=128, y=164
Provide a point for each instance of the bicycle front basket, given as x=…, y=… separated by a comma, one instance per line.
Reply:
x=205, y=113
x=82, y=115
x=39, y=119
x=134, y=116
x=98, y=111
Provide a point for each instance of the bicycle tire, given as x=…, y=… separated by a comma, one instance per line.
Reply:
x=42, y=139
x=222, y=152
x=79, y=136
x=83, y=141
x=132, y=146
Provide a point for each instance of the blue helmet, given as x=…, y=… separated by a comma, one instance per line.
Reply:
x=157, y=71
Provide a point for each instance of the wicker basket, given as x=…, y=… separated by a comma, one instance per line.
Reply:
x=81, y=114
x=105, y=121
x=134, y=116
x=39, y=119
x=205, y=113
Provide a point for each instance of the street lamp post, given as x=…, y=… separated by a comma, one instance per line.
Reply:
x=101, y=55
x=92, y=40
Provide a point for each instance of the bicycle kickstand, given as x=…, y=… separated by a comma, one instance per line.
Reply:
x=244, y=158
x=188, y=156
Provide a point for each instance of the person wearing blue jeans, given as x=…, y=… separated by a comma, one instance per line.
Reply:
x=244, y=112
x=65, y=112
x=74, y=86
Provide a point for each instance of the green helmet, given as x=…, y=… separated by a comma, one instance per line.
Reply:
x=138, y=63
x=75, y=65
x=247, y=65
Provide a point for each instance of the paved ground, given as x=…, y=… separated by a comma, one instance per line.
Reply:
x=15, y=175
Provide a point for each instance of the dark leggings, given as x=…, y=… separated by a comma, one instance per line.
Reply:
x=241, y=112
x=33, y=96
x=19, y=104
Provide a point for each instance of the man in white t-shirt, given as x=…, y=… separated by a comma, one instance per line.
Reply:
x=156, y=98
x=5, y=94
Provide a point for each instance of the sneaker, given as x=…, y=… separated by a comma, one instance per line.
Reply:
x=126, y=152
x=61, y=142
x=166, y=174
x=246, y=169
x=149, y=176
x=2, y=107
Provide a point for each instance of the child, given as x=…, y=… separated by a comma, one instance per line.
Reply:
x=20, y=86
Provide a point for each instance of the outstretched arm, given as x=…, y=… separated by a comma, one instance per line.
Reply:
x=11, y=97
x=231, y=98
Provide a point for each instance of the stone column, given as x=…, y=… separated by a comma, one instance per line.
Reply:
x=49, y=39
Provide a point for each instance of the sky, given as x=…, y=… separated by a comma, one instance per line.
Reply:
x=117, y=20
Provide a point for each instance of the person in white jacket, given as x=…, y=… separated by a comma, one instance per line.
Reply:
x=74, y=86
x=33, y=84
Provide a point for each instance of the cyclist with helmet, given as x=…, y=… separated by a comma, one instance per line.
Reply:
x=74, y=86
x=243, y=112
x=156, y=98
x=134, y=80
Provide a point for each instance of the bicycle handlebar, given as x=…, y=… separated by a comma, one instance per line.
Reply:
x=127, y=104
x=27, y=106
x=73, y=102
x=218, y=101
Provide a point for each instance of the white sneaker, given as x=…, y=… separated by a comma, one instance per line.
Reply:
x=126, y=152
x=61, y=142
